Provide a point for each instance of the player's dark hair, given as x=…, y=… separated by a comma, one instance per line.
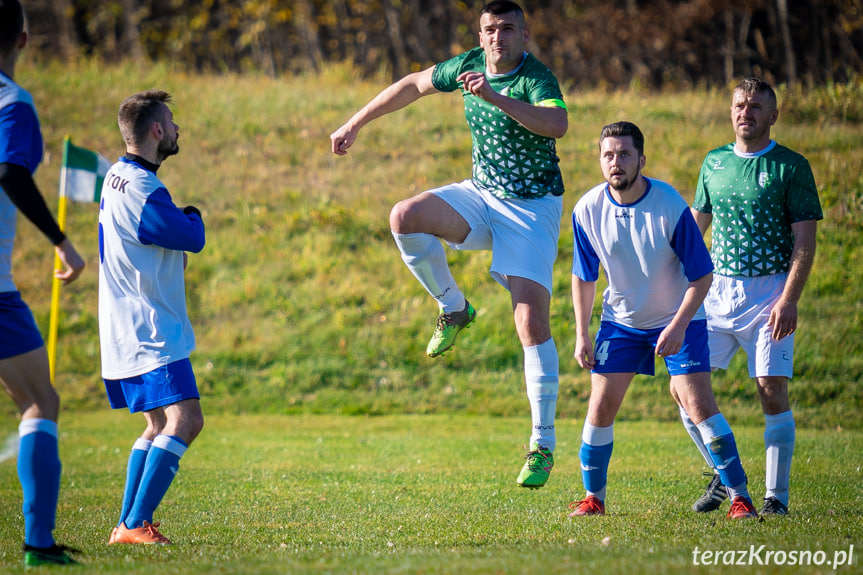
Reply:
x=753, y=85
x=621, y=129
x=499, y=7
x=139, y=111
x=11, y=24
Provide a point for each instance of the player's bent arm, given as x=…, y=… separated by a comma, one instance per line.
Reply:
x=693, y=297
x=670, y=340
x=395, y=97
x=73, y=263
x=167, y=226
x=548, y=121
x=18, y=184
x=702, y=219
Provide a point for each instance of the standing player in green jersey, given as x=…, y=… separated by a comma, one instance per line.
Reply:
x=512, y=204
x=763, y=204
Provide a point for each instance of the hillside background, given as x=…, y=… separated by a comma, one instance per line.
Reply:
x=587, y=43
x=300, y=301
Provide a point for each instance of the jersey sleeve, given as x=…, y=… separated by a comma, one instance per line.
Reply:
x=803, y=203
x=701, y=202
x=165, y=225
x=18, y=130
x=545, y=90
x=585, y=261
x=688, y=243
x=445, y=73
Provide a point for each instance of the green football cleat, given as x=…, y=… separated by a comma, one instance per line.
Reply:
x=54, y=555
x=536, y=470
x=448, y=326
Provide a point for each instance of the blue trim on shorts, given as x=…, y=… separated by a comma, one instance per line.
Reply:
x=18, y=330
x=625, y=349
x=165, y=385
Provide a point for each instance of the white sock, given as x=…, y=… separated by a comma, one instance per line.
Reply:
x=779, y=436
x=426, y=259
x=541, y=378
x=695, y=434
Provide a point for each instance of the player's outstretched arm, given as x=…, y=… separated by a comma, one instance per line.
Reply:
x=395, y=97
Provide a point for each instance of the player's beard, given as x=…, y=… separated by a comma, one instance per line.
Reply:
x=168, y=148
x=624, y=183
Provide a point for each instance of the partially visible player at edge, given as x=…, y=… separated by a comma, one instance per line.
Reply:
x=24, y=369
x=145, y=333
x=658, y=269
x=512, y=205
x=762, y=202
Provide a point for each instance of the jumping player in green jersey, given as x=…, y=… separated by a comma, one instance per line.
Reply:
x=511, y=205
x=761, y=200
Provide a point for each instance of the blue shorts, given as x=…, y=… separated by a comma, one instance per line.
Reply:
x=18, y=331
x=621, y=349
x=163, y=386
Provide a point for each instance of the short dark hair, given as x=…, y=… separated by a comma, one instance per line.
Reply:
x=11, y=24
x=754, y=85
x=139, y=111
x=621, y=129
x=498, y=7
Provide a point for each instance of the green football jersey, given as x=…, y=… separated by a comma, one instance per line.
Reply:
x=754, y=199
x=509, y=160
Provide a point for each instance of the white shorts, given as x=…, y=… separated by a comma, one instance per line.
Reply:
x=738, y=309
x=522, y=234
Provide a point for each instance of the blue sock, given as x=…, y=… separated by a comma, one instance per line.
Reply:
x=595, y=453
x=39, y=472
x=134, y=472
x=719, y=440
x=163, y=462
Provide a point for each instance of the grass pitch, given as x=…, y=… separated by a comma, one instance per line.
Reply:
x=433, y=494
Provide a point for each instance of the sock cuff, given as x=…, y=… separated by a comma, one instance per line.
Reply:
x=786, y=418
x=597, y=436
x=28, y=426
x=170, y=445
x=714, y=426
x=541, y=361
x=142, y=444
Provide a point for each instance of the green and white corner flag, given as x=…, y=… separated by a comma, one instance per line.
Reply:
x=81, y=180
x=83, y=173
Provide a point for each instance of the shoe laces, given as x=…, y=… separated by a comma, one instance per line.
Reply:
x=151, y=529
x=590, y=505
x=741, y=508
x=536, y=459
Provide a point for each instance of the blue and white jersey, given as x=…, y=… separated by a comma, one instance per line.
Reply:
x=20, y=144
x=143, y=322
x=650, y=251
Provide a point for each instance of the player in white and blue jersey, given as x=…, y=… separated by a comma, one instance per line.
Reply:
x=24, y=369
x=658, y=270
x=145, y=333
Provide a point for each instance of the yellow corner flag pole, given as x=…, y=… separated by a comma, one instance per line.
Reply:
x=55, y=288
